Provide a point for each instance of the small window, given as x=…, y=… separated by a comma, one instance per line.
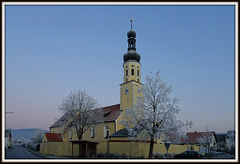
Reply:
x=92, y=132
x=138, y=80
x=106, y=131
x=132, y=65
x=70, y=134
x=126, y=72
x=138, y=72
x=126, y=79
x=132, y=71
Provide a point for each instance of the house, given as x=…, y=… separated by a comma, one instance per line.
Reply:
x=8, y=138
x=201, y=138
x=230, y=139
x=221, y=138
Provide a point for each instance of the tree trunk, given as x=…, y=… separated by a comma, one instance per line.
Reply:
x=150, y=155
x=80, y=134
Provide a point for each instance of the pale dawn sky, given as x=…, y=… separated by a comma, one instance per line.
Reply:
x=51, y=50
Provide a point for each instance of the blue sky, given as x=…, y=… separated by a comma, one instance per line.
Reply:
x=52, y=50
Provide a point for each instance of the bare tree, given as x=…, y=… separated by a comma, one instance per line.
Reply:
x=38, y=136
x=154, y=113
x=206, y=139
x=82, y=111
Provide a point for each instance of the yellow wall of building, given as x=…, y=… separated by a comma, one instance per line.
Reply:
x=56, y=130
x=136, y=149
x=99, y=132
x=98, y=137
x=56, y=148
x=127, y=100
x=129, y=66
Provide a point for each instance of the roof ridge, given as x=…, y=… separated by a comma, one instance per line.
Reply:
x=110, y=106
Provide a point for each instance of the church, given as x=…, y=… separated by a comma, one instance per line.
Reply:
x=110, y=136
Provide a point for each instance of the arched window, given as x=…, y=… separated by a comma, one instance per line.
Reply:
x=138, y=72
x=92, y=132
x=126, y=72
x=106, y=131
x=126, y=79
x=132, y=71
x=70, y=134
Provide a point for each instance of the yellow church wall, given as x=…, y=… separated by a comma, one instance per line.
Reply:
x=75, y=150
x=176, y=149
x=99, y=132
x=56, y=130
x=102, y=147
x=98, y=137
x=138, y=149
x=129, y=66
x=56, y=148
x=129, y=148
x=127, y=100
x=119, y=125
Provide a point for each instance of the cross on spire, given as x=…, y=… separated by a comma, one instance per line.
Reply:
x=131, y=23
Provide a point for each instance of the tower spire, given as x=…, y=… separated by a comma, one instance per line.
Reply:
x=131, y=22
x=131, y=54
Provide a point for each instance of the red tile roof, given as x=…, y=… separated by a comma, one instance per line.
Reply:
x=192, y=137
x=111, y=113
x=54, y=137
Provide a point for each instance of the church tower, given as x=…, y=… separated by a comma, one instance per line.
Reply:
x=130, y=88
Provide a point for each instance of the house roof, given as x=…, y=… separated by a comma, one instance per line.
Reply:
x=111, y=113
x=121, y=133
x=221, y=137
x=230, y=133
x=54, y=137
x=62, y=120
x=172, y=137
x=193, y=137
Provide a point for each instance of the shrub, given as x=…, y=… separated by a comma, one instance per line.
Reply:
x=169, y=155
x=158, y=156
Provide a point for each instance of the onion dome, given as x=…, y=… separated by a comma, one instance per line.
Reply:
x=131, y=54
x=131, y=34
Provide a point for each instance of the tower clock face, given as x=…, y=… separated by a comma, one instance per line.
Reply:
x=126, y=91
